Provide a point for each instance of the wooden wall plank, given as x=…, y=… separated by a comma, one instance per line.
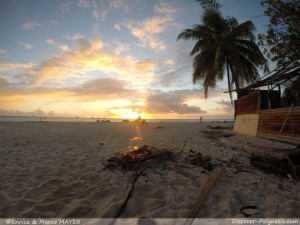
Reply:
x=248, y=104
x=246, y=124
x=271, y=122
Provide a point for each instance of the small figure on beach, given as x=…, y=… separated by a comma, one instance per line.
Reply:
x=140, y=121
x=201, y=119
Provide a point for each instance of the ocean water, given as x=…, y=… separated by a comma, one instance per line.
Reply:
x=69, y=119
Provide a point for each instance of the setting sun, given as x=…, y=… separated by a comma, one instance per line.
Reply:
x=130, y=115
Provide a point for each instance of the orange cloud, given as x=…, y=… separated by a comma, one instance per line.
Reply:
x=147, y=30
x=121, y=48
x=89, y=56
x=94, y=96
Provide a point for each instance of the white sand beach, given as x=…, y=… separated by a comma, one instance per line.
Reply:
x=55, y=169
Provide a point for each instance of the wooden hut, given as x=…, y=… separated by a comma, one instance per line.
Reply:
x=258, y=112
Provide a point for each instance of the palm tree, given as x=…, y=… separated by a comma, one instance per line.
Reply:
x=223, y=45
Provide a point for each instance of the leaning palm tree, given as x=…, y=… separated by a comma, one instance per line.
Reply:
x=223, y=45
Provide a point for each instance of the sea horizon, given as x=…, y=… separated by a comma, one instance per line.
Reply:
x=7, y=118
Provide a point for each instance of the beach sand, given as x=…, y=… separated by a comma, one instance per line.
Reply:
x=55, y=169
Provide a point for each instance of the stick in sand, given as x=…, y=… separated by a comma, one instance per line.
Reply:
x=129, y=193
x=176, y=157
x=206, y=188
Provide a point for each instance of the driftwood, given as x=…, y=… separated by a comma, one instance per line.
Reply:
x=283, y=162
x=143, y=154
x=217, y=134
x=219, y=127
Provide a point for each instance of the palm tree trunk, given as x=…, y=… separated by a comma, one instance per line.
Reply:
x=228, y=80
x=236, y=82
x=234, y=78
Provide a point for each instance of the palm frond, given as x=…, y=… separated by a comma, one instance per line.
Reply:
x=202, y=45
x=210, y=5
x=243, y=31
x=215, y=22
x=195, y=33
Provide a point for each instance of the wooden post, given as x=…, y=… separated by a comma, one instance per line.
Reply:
x=279, y=96
x=235, y=108
x=269, y=103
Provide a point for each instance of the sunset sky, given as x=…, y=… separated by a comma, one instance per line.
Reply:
x=107, y=58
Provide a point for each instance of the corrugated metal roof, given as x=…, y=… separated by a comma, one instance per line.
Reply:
x=279, y=76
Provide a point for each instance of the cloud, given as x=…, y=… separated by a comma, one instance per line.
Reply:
x=93, y=90
x=100, y=14
x=2, y=51
x=74, y=37
x=65, y=7
x=168, y=78
x=121, y=47
x=89, y=56
x=179, y=73
x=93, y=97
x=10, y=66
x=53, y=69
x=62, y=47
x=116, y=4
x=29, y=25
x=24, y=45
x=146, y=31
x=172, y=102
x=101, y=9
x=89, y=47
x=147, y=66
x=117, y=27
x=16, y=89
x=53, y=22
x=103, y=89
x=165, y=8
x=225, y=106
x=87, y=4
x=37, y=112
x=4, y=84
